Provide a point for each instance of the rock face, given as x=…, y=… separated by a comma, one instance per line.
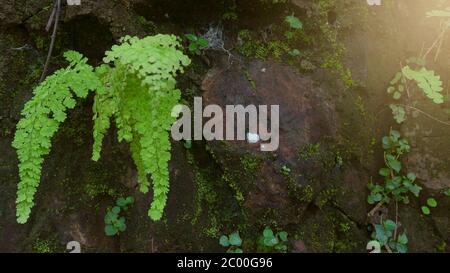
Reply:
x=294, y=182
x=314, y=186
x=429, y=155
x=305, y=112
x=305, y=117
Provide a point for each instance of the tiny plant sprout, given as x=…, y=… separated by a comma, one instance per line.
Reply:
x=432, y=203
x=286, y=170
x=294, y=52
x=114, y=222
x=270, y=241
x=426, y=210
x=294, y=22
x=233, y=242
x=446, y=192
x=196, y=44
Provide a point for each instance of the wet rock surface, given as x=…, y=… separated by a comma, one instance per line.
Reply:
x=314, y=186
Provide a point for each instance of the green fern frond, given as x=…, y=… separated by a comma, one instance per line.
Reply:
x=155, y=59
x=41, y=118
x=106, y=105
x=145, y=104
x=136, y=89
x=429, y=82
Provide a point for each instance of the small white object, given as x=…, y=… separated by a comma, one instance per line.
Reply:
x=252, y=138
x=74, y=2
x=263, y=70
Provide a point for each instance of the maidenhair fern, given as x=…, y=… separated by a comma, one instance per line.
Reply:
x=426, y=80
x=429, y=82
x=135, y=88
x=42, y=116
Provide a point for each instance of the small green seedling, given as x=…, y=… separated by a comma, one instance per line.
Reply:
x=426, y=210
x=114, y=222
x=285, y=170
x=384, y=235
x=196, y=44
x=293, y=22
x=294, y=26
x=294, y=52
x=431, y=203
x=233, y=242
x=446, y=192
x=270, y=242
x=396, y=185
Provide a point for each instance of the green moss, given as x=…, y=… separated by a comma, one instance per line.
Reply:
x=441, y=247
x=317, y=44
x=251, y=164
x=240, y=173
x=269, y=218
x=309, y=151
x=329, y=232
x=231, y=180
x=326, y=197
x=230, y=13
x=205, y=192
x=306, y=194
x=94, y=190
x=336, y=50
x=40, y=43
x=344, y=231
x=211, y=198
x=334, y=62
x=43, y=246
x=252, y=46
x=250, y=80
x=213, y=231
x=75, y=134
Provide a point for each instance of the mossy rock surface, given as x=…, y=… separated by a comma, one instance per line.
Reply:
x=314, y=186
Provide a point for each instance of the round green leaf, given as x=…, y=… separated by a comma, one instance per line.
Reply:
x=432, y=202
x=191, y=37
x=116, y=210
x=121, y=202
x=389, y=225
x=294, y=22
x=223, y=241
x=401, y=248
x=426, y=210
x=268, y=233
x=412, y=177
x=235, y=239
x=110, y=230
x=385, y=172
x=394, y=163
x=294, y=52
x=283, y=235
x=403, y=239
x=202, y=42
